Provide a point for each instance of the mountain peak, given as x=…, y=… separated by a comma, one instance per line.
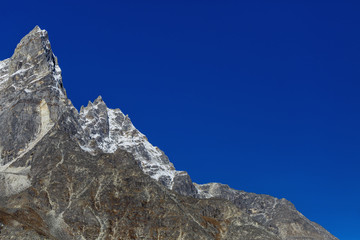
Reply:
x=37, y=28
x=30, y=76
x=99, y=100
x=34, y=42
x=69, y=175
x=33, y=65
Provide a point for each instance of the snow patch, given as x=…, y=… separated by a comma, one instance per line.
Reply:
x=4, y=76
x=13, y=183
x=57, y=77
x=123, y=135
x=14, y=180
x=20, y=71
x=210, y=190
x=4, y=63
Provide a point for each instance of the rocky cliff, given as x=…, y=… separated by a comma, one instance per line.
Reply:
x=91, y=174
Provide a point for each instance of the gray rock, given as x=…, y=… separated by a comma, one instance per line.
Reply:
x=183, y=185
x=278, y=215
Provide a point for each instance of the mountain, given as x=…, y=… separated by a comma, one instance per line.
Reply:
x=91, y=174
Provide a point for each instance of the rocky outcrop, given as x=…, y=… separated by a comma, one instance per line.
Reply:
x=278, y=215
x=91, y=174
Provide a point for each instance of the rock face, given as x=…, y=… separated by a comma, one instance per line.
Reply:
x=91, y=174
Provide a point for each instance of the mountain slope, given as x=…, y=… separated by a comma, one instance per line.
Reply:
x=92, y=175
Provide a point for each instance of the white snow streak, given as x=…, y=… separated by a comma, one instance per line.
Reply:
x=123, y=135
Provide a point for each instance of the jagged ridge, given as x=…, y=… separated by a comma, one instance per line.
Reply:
x=34, y=106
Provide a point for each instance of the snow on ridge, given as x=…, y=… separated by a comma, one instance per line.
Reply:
x=4, y=63
x=21, y=71
x=56, y=72
x=152, y=158
x=4, y=75
x=111, y=129
x=213, y=189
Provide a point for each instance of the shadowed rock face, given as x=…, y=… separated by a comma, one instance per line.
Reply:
x=93, y=175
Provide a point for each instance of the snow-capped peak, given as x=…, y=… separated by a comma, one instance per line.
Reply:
x=109, y=129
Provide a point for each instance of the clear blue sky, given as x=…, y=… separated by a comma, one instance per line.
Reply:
x=261, y=95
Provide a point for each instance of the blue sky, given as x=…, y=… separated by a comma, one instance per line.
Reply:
x=260, y=95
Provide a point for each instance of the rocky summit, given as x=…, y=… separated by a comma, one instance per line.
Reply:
x=90, y=174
